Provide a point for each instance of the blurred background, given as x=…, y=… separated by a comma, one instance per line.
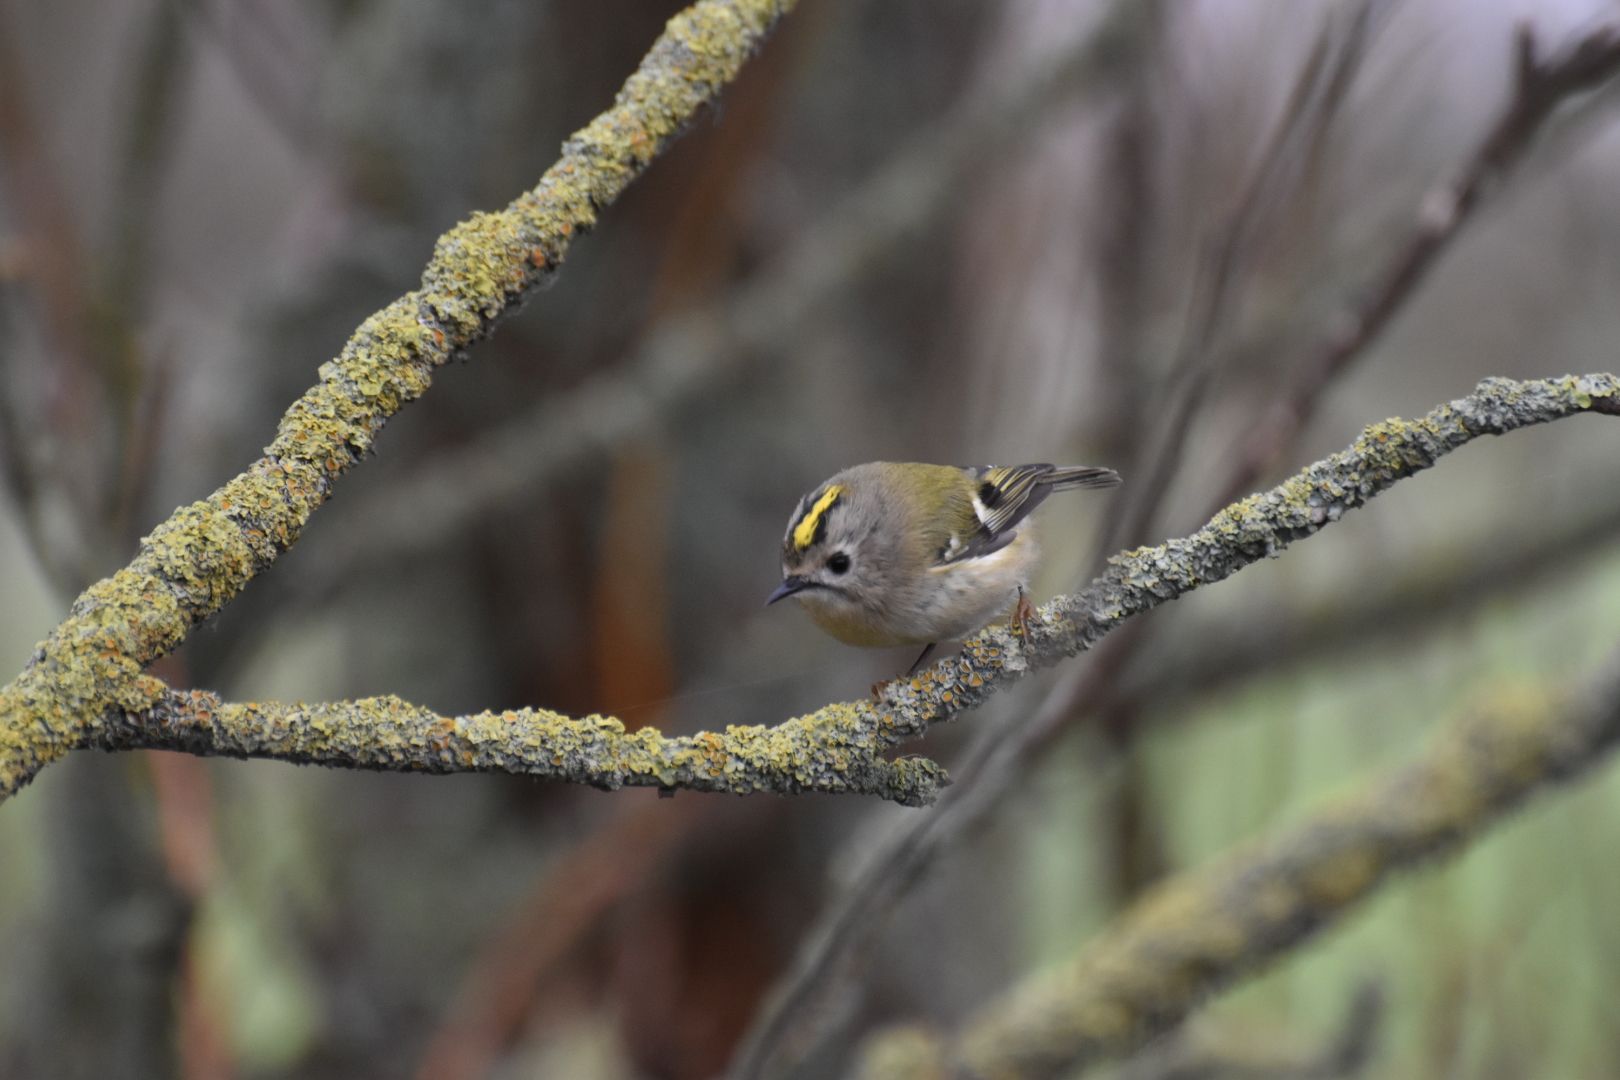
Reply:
x=937, y=230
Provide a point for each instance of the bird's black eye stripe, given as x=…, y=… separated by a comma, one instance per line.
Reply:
x=838, y=562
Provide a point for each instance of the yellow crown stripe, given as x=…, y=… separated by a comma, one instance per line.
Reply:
x=804, y=534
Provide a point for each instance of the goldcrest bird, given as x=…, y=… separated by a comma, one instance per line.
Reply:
x=891, y=553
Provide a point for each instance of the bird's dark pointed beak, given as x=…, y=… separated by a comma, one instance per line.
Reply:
x=789, y=586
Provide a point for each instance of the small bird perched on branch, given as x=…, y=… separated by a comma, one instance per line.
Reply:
x=891, y=553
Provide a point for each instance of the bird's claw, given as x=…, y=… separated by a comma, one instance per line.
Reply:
x=1023, y=610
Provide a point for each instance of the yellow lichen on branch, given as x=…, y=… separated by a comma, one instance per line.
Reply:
x=202, y=557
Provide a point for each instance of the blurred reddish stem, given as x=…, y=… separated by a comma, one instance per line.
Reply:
x=205, y=1052
x=495, y=996
x=630, y=610
x=183, y=792
x=185, y=804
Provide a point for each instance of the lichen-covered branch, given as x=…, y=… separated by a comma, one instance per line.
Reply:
x=198, y=560
x=1203, y=930
x=839, y=747
x=389, y=734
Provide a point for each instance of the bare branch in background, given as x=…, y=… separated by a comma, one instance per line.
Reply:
x=1123, y=267
x=46, y=263
x=137, y=383
x=1541, y=87
x=266, y=47
x=1320, y=88
x=103, y=443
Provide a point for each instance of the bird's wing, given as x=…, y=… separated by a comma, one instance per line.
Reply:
x=1004, y=495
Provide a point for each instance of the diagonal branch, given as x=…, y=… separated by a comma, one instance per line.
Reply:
x=206, y=553
x=838, y=748
x=1202, y=931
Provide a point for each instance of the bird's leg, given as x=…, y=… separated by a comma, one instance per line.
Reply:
x=1022, y=610
x=928, y=650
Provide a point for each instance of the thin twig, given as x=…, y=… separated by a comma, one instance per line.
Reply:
x=1320, y=87
x=1541, y=87
x=136, y=383
x=267, y=48
x=51, y=264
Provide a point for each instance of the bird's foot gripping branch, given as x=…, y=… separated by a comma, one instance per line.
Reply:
x=839, y=748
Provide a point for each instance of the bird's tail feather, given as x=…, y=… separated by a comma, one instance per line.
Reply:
x=1064, y=478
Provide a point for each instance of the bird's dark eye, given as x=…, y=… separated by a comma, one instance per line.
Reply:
x=838, y=562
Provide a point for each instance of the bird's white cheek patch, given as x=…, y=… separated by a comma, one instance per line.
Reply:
x=980, y=511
